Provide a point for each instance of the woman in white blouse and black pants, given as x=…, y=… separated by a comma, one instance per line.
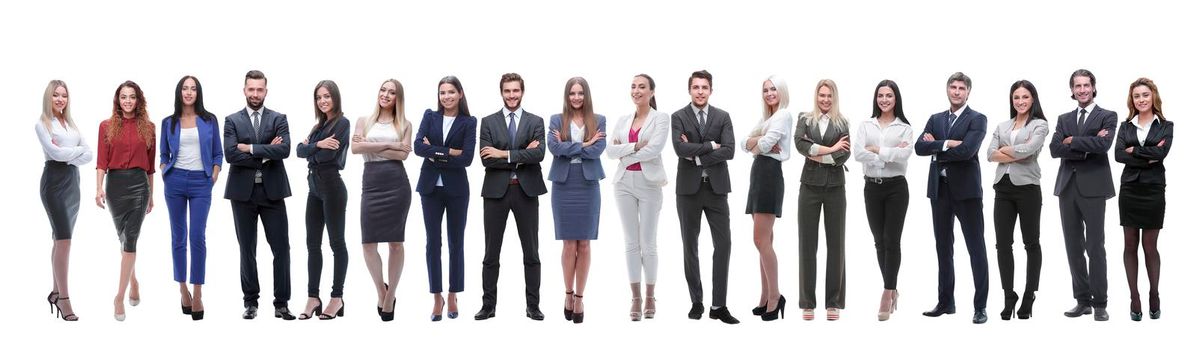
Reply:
x=883, y=145
x=769, y=143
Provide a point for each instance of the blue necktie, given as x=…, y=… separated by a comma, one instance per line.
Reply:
x=951, y=120
x=511, y=129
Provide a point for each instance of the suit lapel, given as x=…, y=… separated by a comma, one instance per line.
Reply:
x=438, y=134
x=455, y=128
x=710, y=120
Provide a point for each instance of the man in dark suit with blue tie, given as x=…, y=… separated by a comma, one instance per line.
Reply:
x=1083, y=184
x=510, y=142
x=952, y=139
x=256, y=140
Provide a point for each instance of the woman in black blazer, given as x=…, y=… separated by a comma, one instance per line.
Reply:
x=1142, y=144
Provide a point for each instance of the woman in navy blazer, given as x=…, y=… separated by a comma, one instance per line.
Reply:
x=1143, y=142
x=446, y=141
x=576, y=145
x=191, y=155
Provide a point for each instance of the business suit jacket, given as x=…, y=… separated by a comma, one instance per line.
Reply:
x=525, y=163
x=699, y=150
x=437, y=161
x=656, y=130
x=211, y=149
x=1085, y=159
x=1139, y=167
x=267, y=158
x=563, y=152
x=1027, y=145
x=960, y=162
x=818, y=173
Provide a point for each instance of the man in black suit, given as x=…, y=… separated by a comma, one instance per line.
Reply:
x=256, y=140
x=1083, y=137
x=704, y=142
x=952, y=139
x=510, y=142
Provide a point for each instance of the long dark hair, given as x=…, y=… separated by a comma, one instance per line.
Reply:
x=462, y=107
x=199, y=103
x=1036, y=108
x=897, y=100
x=321, y=118
x=652, y=86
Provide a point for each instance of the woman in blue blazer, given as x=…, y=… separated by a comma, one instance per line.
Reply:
x=446, y=141
x=191, y=156
x=575, y=174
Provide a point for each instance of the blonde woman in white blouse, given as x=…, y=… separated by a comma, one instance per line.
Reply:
x=65, y=150
x=769, y=143
x=636, y=142
x=883, y=145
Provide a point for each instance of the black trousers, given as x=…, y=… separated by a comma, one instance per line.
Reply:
x=527, y=222
x=944, y=210
x=1083, y=220
x=689, y=211
x=1023, y=203
x=327, y=198
x=274, y=220
x=885, y=207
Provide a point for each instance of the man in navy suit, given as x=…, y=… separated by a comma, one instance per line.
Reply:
x=952, y=139
x=256, y=140
x=1083, y=137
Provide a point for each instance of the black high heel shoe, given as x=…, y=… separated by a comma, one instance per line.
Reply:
x=1153, y=305
x=386, y=287
x=314, y=312
x=759, y=310
x=68, y=317
x=388, y=316
x=52, y=298
x=1011, y=300
x=569, y=313
x=578, y=316
x=340, y=311
x=1028, y=302
x=779, y=311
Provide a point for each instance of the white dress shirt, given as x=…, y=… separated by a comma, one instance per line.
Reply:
x=890, y=159
x=446, y=124
x=778, y=130
x=1142, y=130
x=62, y=144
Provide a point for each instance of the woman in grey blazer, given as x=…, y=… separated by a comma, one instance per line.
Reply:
x=822, y=137
x=1015, y=147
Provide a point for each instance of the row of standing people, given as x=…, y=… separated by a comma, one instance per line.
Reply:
x=192, y=151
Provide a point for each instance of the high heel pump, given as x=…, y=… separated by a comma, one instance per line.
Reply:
x=1028, y=302
x=779, y=311
x=388, y=316
x=1011, y=300
x=569, y=311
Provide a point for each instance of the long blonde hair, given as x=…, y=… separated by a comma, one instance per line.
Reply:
x=48, y=106
x=783, y=97
x=400, y=123
x=837, y=119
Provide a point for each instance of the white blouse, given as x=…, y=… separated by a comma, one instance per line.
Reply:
x=890, y=159
x=189, y=150
x=778, y=130
x=63, y=144
x=576, y=133
x=380, y=132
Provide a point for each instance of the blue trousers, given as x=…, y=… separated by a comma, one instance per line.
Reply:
x=435, y=206
x=188, y=188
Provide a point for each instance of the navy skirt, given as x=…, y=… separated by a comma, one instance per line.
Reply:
x=576, y=206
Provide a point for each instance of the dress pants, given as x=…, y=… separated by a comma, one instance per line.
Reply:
x=944, y=210
x=436, y=206
x=526, y=210
x=1023, y=203
x=639, y=204
x=188, y=188
x=885, y=206
x=274, y=220
x=689, y=211
x=1083, y=220
x=327, y=197
x=831, y=202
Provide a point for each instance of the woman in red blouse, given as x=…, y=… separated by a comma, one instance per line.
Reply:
x=126, y=156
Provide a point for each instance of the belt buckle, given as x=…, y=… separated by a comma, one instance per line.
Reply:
x=875, y=180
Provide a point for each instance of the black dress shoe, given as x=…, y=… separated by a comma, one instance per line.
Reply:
x=283, y=313
x=1079, y=310
x=696, y=311
x=940, y=310
x=980, y=317
x=532, y=312
x=485, y=313
x=1100, y=314
x=722, y=314
x=250, y=312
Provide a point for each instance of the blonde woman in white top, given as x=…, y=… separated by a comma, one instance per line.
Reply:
x=883, y=146
x=769, y=143
x=65, y=150
x=636, y=142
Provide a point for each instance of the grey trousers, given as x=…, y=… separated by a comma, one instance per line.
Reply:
x=831, y=202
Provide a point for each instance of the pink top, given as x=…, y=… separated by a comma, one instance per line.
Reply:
x=633, y=136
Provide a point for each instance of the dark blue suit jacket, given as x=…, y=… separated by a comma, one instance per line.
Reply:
x=437, y=161
x=960, y=162
x=211, y=150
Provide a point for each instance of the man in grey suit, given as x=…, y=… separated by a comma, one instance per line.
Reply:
x=704, y=142
x=510, y=142
x=1083, y=137
x=256, y=140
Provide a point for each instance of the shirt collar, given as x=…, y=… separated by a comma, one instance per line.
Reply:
x=250, y=111
x=705, y=109
x=1154, y=119
x=961, y=110
x=1088, y=109
x=519, y=112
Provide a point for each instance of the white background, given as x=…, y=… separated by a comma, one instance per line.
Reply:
x=94, y=46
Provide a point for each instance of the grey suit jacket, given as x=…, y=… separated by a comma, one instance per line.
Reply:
x=698, y=155
x=819, y=173
x=265, y=157
x=1085, y=160
x=524, y=162
x=1027, y=145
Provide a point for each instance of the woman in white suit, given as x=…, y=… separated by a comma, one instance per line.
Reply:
x=637, y=142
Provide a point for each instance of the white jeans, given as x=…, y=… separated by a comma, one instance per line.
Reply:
x=639, y=206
